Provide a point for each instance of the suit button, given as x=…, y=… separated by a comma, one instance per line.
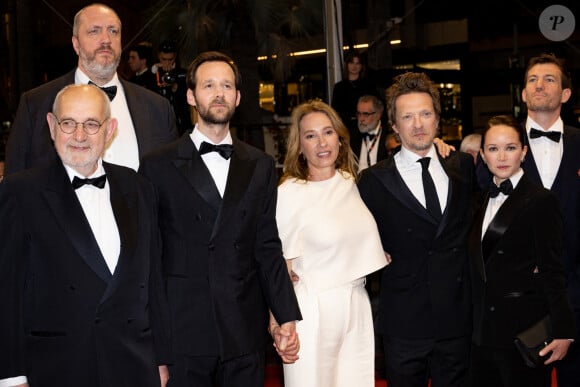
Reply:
x=198, y=217
x=97, y=320
x=500, y=251
x=492, y=308
x=211, y=247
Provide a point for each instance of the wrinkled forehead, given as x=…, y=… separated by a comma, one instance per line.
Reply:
x=99, y=16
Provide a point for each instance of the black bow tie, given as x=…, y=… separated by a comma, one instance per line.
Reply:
x=369, y=136
x=111, y=91
x=98, y=182
x=225, y=150
x=505, y=187
x=554, y=136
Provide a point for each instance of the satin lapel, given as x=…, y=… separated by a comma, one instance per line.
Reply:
x=505, y=216
x=123, y=201
x=452, y=168
x=475, y=241
x=239, y=176
x=390, y=177
x=569, y=158
x=69, y=214
x=193, y=168
x=529, y=164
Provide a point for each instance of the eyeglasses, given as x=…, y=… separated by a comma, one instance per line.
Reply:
x=69, y=126
x=364, y=114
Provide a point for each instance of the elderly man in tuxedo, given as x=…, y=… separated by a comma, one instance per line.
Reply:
x=146, y=120
x=82, y=302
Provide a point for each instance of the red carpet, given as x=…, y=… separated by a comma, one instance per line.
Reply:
x=274, y=378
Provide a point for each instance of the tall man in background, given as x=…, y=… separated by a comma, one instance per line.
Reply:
x=553, y=161
x=146, y=120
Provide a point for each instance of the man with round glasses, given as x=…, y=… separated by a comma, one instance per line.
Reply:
x=370, y=146
x=145, y=119
x=82, y=302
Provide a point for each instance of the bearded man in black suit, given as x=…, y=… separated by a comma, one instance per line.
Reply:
x=222, y=257
x=146, y=120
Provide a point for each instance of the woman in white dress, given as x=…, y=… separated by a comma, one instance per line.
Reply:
x=331, y=242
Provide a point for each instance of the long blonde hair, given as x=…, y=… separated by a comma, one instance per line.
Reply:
x=295, y=165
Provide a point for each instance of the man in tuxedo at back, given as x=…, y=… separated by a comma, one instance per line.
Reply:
x=82, y=299
x=370, y=146
x=553, y=161
x=146, y=120
x=222, y=257
x=423, y=206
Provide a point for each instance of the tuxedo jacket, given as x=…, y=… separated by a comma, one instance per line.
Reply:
x=425, y=290
x=566, y=187
x=29, y=143
x=382, y=153
x=517, y=274
x=66, y=320
x=222, y=258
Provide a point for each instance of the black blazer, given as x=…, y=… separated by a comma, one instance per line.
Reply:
x=29, y=143
x=425, y=291
x=566, y=187
x=222, y=259
x=509, y=296
x=66, y=320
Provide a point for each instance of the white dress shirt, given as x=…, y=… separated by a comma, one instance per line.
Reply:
x=494, y=204
x=123, y=148
x=96, y=203
x=411, y=171
x=365, y=155
x=547, y=153
x=217, y=165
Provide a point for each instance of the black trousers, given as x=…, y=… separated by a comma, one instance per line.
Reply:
x=211, y=371
x=504, y=367
x=411, y=363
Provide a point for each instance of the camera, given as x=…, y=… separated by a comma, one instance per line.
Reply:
x=169, y=78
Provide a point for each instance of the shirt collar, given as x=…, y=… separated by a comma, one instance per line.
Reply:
x=410, y=158
x=98, y=172
x=198, y=137
x=558, y=126
x=515, y=178
x=82, y=78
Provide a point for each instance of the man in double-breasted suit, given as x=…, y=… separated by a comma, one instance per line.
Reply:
x=424, y=308
x=222, y=258
x=146, y=119
x=82, y=302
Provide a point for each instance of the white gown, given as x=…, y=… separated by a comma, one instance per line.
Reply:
x=333, y=242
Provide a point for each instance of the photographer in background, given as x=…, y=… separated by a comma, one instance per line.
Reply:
x=171, y=83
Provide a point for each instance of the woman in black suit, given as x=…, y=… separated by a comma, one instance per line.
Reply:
x=515, y=246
